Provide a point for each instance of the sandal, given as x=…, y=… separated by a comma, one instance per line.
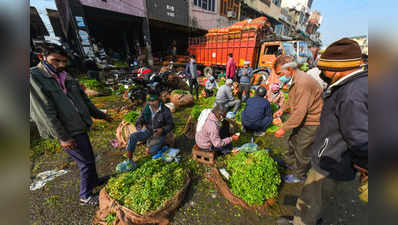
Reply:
x=90, y=201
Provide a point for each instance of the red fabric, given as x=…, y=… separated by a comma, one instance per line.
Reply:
x=231, y=67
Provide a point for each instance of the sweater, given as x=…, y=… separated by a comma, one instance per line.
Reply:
x=305, y=101
x=209, y=136
x=224, y=95
x=231, y=67
x=257, y=108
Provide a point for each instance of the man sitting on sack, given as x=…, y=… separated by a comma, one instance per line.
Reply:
x=209, y=135
x=153, y=124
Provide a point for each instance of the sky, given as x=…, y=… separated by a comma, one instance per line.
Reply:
x=342, y=18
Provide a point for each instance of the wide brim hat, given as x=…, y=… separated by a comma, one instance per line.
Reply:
x=344, y=54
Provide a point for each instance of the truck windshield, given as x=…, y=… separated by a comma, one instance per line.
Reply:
x=289, y=49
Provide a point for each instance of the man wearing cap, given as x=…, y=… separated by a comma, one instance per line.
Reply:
x=341, y=142
x=211, y=84
x=225, y=97
x=244, y=76
x=305, y=101
x=154, y=123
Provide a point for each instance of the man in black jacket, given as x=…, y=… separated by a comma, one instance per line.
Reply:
x=341, y=143
x=154, y=123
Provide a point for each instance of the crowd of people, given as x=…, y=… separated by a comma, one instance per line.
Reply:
x=327, y=125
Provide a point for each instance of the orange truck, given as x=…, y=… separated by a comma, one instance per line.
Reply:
x=248, y=40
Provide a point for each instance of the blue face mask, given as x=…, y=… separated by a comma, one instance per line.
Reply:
x=284, y=79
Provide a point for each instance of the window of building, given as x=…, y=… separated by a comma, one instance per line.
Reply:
x=229, y=5
x=205, y=4
x=278, y=28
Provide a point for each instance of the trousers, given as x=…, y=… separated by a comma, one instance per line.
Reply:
x=84, y=157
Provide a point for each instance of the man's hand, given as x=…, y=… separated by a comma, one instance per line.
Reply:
x=279, y=133
x=235, y=138
x=158, y=132
x=108, y=119
x=69, y=144
x=278, y=113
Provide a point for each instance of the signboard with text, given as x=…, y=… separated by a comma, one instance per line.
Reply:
x=168, y=11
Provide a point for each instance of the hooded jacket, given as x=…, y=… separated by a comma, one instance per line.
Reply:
x=342, y=138
x=162, y=119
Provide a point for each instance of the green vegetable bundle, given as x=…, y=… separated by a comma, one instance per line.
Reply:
x=131, y=117
x=205, y=103
x=93, y=84
x=148, y=187
x=254, y=177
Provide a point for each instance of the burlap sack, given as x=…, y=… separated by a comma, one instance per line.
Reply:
x=125, y=216
x=180, y=100
x=123, y=132
x=215, y=177
x=190, y=128
x=92, y=93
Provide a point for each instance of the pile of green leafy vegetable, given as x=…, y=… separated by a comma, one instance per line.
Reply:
x=93, y=84
x=131, y=117
x=254, y=176
x=273, y=128
x=238, y=116
x=204, y=103
x=148, y=187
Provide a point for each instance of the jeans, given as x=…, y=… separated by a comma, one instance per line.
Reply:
x=244, y=88
x=84, y=157
x=209, y=92
x=155, y=144
x=192, y=83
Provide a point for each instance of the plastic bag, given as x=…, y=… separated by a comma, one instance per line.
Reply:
x=125, y=166
x=249, y=147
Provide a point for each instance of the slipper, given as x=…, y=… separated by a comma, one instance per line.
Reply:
x=90, y=201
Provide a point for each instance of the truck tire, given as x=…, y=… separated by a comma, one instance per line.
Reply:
x=208, y=71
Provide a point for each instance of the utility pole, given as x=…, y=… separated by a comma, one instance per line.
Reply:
x=147, y=36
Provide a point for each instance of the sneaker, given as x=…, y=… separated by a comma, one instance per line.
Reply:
x=257, y=134
x=90, y=201
x=291, y=179
x=284, y=221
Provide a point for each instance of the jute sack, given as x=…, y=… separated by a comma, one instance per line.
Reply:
x=125, y=216
x=180, y=100
x=215, y=178
x=123, y=132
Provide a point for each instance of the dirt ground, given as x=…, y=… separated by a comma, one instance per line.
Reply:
x=57, y=202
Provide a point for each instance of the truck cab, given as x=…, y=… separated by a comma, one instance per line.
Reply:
x=271, y=50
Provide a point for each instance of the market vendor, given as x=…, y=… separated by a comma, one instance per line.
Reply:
x=305, y=101
x=208, y=129
x=153, y=124
x=275, y=95
x=225, y=97
x=257, y=115
x=211, y=84
x=244, y=76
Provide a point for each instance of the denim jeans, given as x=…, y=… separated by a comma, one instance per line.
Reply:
x=156, y=142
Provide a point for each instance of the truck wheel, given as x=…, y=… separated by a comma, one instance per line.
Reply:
x=208, y=71
x=264, y=73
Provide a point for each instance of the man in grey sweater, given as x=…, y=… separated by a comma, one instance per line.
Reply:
x=225, y=97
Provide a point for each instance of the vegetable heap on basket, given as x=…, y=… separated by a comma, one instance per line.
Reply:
x=148, y=187
x=131, y=117
x=254, y=177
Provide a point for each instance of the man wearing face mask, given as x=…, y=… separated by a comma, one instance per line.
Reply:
x=191, y=71
x=305, y=102
x=341, y=143
x=61, y=110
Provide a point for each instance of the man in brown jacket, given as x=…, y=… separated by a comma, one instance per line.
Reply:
x=305, y=102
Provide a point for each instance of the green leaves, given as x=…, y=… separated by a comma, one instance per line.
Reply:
x=254, y=176
x=148, y=187
x=131, y=117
